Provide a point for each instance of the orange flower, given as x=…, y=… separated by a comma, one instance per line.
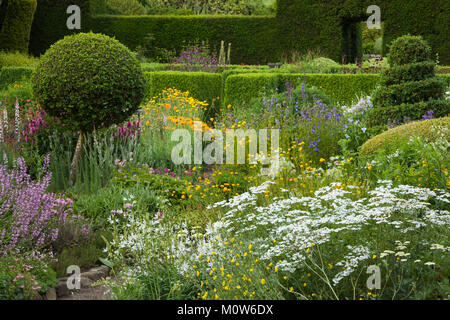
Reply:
x=167, y=106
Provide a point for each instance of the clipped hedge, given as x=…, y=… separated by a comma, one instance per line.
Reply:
x=332, y=26
x=240, y=89
x=403, y=133
x=16, y=25
x=203, y=86
x=11, y=75
x=252, y=37
x=341, y=88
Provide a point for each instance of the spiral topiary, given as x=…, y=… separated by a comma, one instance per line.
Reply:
x=409, y=87
x=88, y=81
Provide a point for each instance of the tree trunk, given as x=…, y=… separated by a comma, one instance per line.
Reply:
x=74, y=168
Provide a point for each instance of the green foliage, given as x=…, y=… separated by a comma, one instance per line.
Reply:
x=89, y=80
x=204, y=86
x=16, y=26
x=97, y=206
x=329, y=25
x=340, y=88
x=409, y=49
x=411, y=72
x=242, y=88
x=402, y=133
x=11, y=75
x=396, y=114
x=408, y=92
x=245, y=7
x=50, y=23
x=121, y=7
x=162, y=183
x=410, y=81
x=25, y=277
x=84, y=254
x=306, y=24
x=22, y=91
x=16, y=59
x=251, y=37
x=417, y=161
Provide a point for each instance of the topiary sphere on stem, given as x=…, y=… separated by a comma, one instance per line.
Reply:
x=88, y=81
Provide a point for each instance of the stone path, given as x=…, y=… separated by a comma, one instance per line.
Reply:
x=86, y=292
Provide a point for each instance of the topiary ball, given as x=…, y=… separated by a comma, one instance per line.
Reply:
x=88, y=80
x=409, y=49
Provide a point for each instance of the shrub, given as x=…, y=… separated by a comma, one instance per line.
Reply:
x=254, y=38
x=242, y=88
x=25, y=276
x=203, y=86
x=410, y=72
x=340, y=88
x=11, y=75
x=16, y=59
x=410, y=81
x=16, y=27
x=88, y=80
x=30, y=217
x=250, y=36
x=409, y=49
x=422, y=129
x=119, y=7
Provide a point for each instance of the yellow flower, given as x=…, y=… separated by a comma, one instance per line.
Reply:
x=322, y=160
x=263, y=281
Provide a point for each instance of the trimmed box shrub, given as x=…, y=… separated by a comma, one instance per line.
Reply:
x=203, y=86
x=16, y=23
x=341, y=88
x=403, y=133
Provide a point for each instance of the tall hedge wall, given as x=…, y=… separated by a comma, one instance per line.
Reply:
x=327, y=24
x=341, y=88
x=331, y=26
x=251, y=37
x=16, y=18
x=49, y=24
